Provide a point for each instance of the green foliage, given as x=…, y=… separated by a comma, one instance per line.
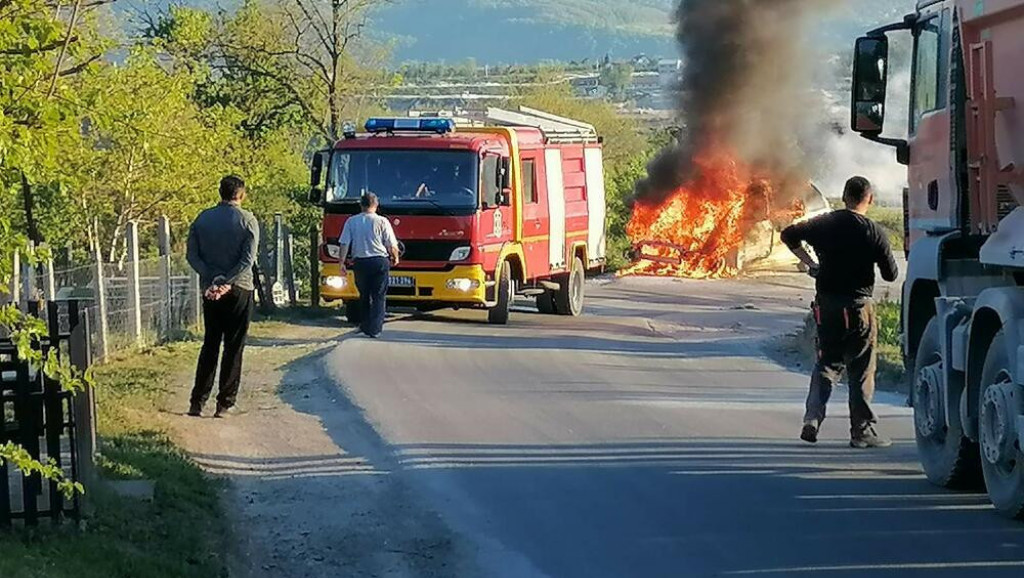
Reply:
x=889, y=326
x=618, y=77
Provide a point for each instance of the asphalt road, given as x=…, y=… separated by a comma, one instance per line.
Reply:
x=651, y=438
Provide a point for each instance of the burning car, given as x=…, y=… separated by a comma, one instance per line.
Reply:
x=722, y=221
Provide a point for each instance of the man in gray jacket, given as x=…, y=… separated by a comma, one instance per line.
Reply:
x=222, y=245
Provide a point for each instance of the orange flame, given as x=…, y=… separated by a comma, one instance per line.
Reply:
x=698, y=229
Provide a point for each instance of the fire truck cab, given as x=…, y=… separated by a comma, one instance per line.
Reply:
x=512, y=206
x=963, y=299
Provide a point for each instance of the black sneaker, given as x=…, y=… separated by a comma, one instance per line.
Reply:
x=810, y=432
x=195, y=410
x=868, y=438
x=225, y=412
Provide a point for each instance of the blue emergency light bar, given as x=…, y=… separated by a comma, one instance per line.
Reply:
x=434, y=125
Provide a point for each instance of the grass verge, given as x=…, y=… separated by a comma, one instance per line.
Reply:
x=181, y=532
x=798, y=349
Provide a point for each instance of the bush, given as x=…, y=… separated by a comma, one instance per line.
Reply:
x=889, y=326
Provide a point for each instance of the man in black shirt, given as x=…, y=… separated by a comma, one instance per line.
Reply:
x=848, y=246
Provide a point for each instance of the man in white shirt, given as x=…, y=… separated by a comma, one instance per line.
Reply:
x=374, y=249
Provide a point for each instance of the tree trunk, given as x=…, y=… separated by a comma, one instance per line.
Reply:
x=28, y=198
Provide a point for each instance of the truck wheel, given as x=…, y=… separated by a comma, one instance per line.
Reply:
x=570, y=295
x=353, y=312
x=546, y=303
x=1002, y=458
x=498, y=315
x=949, y=458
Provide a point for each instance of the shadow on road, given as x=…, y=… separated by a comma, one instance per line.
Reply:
x=680, y=507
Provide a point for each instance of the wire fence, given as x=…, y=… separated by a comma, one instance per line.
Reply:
x=138, y=302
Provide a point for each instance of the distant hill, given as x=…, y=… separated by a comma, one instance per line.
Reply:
x=529, y=31
x=507, y=31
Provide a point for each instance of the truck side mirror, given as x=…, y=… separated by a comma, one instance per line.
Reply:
x=316, y=174
x=505, y=174
x=870, y=83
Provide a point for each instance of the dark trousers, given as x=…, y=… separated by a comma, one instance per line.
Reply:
x=372, y=283
x=227, y=322
x=847, y=338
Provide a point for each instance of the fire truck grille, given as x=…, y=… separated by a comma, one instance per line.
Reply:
x=1005, y=201
x=430, y=250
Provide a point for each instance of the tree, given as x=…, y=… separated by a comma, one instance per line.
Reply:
x=148, y=149
x=309, y=51
x=617, y=77
x=44, y=45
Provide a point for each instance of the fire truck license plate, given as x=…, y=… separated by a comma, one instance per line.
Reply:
x=394, y=281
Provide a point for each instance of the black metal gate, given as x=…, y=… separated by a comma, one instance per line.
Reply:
x=38, y=415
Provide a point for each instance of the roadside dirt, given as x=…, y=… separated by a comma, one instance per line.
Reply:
x=305, y=503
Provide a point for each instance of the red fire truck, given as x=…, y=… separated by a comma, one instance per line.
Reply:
x=512, y=206
x=963, y=301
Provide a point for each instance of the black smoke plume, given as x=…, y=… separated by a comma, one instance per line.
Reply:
x=745, y=87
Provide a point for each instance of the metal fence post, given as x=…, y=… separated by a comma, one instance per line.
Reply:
x=163, y=232
x=134, y=295
x=314, y=266
x=100, y=295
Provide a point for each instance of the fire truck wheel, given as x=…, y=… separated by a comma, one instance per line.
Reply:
x=498, y=315
x=1002, y=458
x=570, y=295
x=353, y=313
x=949, y=458
x=546, y=303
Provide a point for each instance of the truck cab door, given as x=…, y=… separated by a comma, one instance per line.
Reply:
x=933, y=199
x=536, y=225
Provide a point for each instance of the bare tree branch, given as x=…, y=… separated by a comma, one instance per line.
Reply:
x=64, y=49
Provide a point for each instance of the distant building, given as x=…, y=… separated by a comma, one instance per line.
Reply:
x=646, y=80
x=670, y=71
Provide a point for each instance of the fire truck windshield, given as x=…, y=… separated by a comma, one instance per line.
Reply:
x=406, y=179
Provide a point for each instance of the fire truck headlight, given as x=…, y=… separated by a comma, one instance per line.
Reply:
x=335, y=282
x=333, y=251
x=460, y=254
x=463, y=284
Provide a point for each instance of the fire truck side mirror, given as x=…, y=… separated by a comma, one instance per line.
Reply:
x=316, y=174
x=505, y=174
x=870, y=83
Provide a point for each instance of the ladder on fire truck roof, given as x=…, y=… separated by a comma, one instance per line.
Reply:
x=556, y=129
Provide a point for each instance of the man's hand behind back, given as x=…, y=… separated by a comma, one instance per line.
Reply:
x=216, y=292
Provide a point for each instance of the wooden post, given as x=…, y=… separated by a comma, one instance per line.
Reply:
x=163, y=232
x=314, y=266
x=134, y=295
x=196, y=302
x=49, y=281
x=289, y=268
x=16, y=278
x=279, y=248
x=28, y=280
x=84, y=402
x=100, y=297
x=264, y=284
